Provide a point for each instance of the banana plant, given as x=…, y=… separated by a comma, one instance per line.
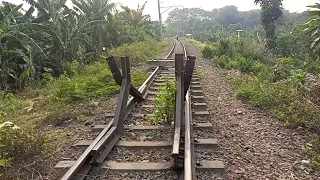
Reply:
x=98, y=11
x=17, y=51
x=313, y=27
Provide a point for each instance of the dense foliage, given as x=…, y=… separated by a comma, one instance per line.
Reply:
x=58, y=35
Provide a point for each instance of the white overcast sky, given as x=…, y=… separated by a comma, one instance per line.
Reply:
x=243, y=5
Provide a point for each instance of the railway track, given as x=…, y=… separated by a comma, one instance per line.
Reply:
x=130, y=147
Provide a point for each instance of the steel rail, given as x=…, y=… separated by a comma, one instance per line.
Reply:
x=83, y=164
x=189, y=164
x=172, y=49
x=184, y=49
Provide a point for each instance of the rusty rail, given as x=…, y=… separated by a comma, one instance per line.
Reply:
x=178, y=128
x=118, y=79
x=182, y=148
x=105, y=141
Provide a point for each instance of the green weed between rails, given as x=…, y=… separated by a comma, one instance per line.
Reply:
x=165, y=103
x=277, y=87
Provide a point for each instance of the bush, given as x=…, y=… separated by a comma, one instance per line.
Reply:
x=282, y=68
x=90, y=81
x=252, y=49
x=8, y=103
x=283, y=99
x=217, y=49
x=251, y=90
x=208, y=52
x=224, y=47
x=245, y=65
x=223, y=61
x=298, y=77
x=19, y=144
x=312, y=66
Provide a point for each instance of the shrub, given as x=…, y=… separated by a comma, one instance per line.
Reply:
x=223, y=61
x=298, y=77
x=208, y=51
x=251, y=90
x=223, y=47
x=253, y=49
x=8, y=103
x=312, y=66
x=283, y=68
x=19, y=144
x=90, y=81
x=283, y=99
x=245, y=65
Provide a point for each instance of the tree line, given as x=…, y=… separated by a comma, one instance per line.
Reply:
x=193, y=20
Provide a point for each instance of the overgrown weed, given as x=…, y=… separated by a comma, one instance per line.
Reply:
x=165, y=103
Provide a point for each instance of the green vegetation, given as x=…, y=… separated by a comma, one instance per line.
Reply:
x=150, y=49
x=23, y=144
x=276, y=69
x=53, y=70
x=53, y=98
x=165, y=103
x=58, y=35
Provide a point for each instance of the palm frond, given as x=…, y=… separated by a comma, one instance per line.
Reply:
x=37, y=5
x=28, y=14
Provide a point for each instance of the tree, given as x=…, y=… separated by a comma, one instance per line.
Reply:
x=271, y=11
x=227, y=15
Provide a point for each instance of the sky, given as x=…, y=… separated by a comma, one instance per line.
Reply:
x=243, y=5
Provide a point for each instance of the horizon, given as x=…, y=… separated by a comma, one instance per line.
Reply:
x=243, y=5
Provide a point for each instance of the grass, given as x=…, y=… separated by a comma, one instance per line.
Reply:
x=41, y=111
x=150, y=49
x=196, y=43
